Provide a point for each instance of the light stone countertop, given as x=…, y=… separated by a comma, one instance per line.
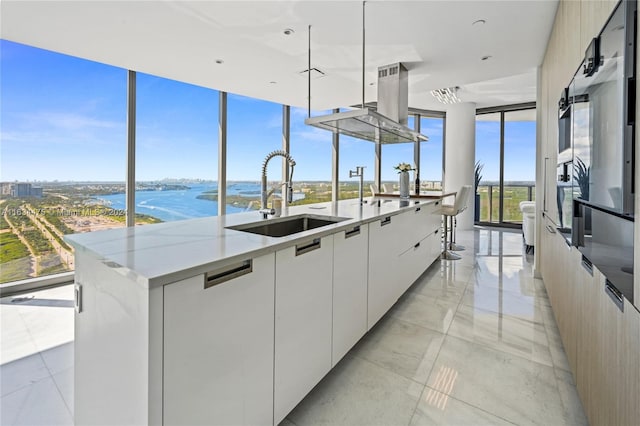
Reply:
x=159, y=254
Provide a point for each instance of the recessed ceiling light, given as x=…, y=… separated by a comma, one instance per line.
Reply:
x=479, y=22
x=288, y=31
x=219, y=61
x=484, y=58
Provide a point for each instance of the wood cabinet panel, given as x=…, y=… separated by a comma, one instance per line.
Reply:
x=608, y=366
x=587, y=334
x=593, y=16
x=629, y=366
x=563, y=295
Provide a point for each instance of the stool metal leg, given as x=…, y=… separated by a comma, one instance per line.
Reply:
x=453, y=246
x=446, y=254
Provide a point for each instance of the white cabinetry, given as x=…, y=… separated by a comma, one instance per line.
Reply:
x=218, y=346
x=118, y=347
x=244, y=343
x=401, y=248
x=383, y=267
x=421, y=235
x=302, y=321
x=350, y=256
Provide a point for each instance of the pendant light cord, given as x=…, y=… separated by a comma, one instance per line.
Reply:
x=309, y=76
x=363, y=40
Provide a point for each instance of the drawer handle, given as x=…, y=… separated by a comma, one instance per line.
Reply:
x=437, y=202
x=353, y=232
x=226, y=274
x=587, y=265
x=614, y=294
x=77, y=296
x=550, y=229
x=418, y=209
x=306, y=248
x=385, y=221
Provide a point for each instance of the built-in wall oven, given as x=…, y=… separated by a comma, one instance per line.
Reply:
x=602, y=97
x=564, y=171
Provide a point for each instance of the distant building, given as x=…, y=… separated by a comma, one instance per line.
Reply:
x=5, y=188
x=36, y=191
x=21, y=190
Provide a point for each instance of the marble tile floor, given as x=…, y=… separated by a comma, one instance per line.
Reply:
x=36, y=358
x=472, y=342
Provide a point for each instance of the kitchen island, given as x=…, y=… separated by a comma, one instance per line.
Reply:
x=191, y=322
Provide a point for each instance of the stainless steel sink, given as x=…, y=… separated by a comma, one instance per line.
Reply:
x=281, y=227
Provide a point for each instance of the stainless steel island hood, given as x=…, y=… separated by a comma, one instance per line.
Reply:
x=366, y=124
x=388, y=124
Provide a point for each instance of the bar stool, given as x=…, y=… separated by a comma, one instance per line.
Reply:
x=454, y=224
x=449, y=211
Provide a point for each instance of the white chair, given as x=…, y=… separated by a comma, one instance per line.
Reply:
x=450, y=211
x=528, y=209
x=374, y=189
x=387, y=188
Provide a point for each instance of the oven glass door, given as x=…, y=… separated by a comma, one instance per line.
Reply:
x=564, y=192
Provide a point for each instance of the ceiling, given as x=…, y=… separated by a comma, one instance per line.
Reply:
x=183, y=40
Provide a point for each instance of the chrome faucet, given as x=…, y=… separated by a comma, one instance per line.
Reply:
x=358, y=172
x=264, y=194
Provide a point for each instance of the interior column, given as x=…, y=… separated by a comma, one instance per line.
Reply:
x=460, y=154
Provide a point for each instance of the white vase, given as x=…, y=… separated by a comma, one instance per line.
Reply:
x=404, y=184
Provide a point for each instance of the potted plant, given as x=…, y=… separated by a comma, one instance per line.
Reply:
x=478, y=178
x=581, y=176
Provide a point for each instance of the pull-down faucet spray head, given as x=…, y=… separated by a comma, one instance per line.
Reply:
x=264, y=194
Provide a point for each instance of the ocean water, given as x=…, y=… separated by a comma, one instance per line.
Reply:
x=182, y=204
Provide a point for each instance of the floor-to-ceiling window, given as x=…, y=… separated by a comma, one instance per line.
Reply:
x=63, y=150
x=311, y=148
x=488, y=166
x=394, y=154
x=254, y=129
x=519, y=162
x=431, y=153
x=176, y=150
x=356, y=152
x=505, y=163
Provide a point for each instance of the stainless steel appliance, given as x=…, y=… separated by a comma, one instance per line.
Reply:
x=603, y=111
x=564, y=198
x=564, y=173
x=602, y=97
x=606, y=240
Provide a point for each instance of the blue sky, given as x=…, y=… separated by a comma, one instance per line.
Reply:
x=64, y=118
x=519, y=152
